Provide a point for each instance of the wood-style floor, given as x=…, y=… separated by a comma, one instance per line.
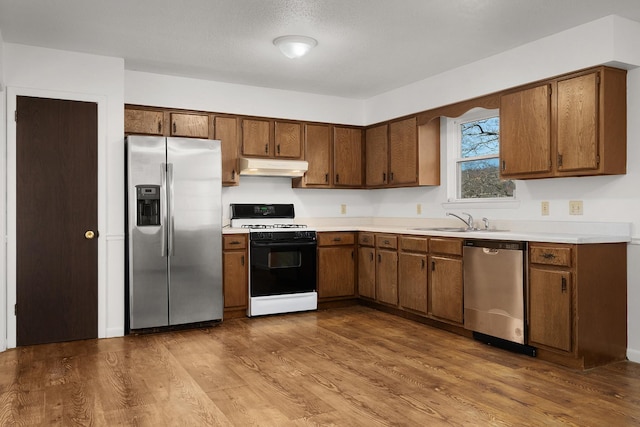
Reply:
x=351, y=366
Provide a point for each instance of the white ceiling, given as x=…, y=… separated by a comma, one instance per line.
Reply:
x=365, y=47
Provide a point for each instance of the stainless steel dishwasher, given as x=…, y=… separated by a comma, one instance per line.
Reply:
x=494, y=292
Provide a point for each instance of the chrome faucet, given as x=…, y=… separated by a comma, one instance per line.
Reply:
x=486, y=223
x=468, y=222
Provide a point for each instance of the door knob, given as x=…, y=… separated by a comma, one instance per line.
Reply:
x=89, y=234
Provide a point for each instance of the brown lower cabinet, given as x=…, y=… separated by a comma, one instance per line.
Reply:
x=235, y=272
x=576, y=294
x=336, y=265
x=578, y=302
x=413, y=273
x=445, y=278
x=387, y=269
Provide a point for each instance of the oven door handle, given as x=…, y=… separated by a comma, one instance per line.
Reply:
x=282, y=244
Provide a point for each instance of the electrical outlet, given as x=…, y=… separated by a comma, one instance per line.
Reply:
x=544, y=208
x=419, y=209
x=575, y=207
x=343, y=209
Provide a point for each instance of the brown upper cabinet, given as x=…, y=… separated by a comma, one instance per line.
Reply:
x=573, y=125
x=318, y=152
x=271, y=138
x=226, y=129
x=401, y=154
x=145, y=122
x=190, y=125
x=347, y=157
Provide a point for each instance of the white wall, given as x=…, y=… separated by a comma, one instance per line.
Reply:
x=3, y=208
x=179, y=92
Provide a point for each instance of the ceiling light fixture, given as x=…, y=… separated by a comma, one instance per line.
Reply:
x=294, y=46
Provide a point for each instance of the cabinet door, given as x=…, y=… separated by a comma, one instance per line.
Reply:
x=190, y=125
x=403, y=152
x=578, y=123
x=226, y=130
x=525, y=132
x=318, y=154
x=288, y=140
x=347, y=157
x=336, y=271
x=446, y=288
x=367, y=272
x=376, y=159
x=387, y=277
x=235, y=283
x=256, y=138
x=143, y=122
x=550, y=308
x=412, y=281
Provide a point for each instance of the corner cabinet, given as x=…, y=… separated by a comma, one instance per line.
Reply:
x=573, y=125
x=235, y=275
x=577, y=303
x=336, y=265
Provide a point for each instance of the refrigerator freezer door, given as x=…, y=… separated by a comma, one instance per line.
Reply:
x=148, y=294
x=195, y=241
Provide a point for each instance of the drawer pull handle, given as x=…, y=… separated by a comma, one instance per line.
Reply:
x=564, y=285
x=337, y=239
x=548, y=255
x=235, y=242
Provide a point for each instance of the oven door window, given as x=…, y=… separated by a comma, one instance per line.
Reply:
x=282, y=270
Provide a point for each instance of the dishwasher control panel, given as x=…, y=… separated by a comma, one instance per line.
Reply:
x=496, y=244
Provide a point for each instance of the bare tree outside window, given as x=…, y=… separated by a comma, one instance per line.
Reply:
x=478, y=164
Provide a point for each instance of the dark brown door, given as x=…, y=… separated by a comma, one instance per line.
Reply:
x=57, y=257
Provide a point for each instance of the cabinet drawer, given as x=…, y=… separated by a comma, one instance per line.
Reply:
x=234, y=241
x=366, y=239
x=560, y=256
x=332, y=239
x=386, y=241
x=446, y=246
x=414, y=244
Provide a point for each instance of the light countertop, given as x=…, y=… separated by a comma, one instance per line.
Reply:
x=530, y=231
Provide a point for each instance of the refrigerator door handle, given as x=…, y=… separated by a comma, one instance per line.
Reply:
x=170, y=209
x=163, y=210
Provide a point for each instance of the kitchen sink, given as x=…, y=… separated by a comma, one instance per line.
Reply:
x=452, y=229
x=460, y=229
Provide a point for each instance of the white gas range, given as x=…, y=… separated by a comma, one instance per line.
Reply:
x=282, y=259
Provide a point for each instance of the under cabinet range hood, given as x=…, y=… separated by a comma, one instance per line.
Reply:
x=272, y=167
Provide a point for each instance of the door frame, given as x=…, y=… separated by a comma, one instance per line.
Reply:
x=10, y=279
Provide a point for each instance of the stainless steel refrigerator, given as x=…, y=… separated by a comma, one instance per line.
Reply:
x=174, y=242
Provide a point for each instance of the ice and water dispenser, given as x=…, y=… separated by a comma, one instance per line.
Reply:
x=148, y=203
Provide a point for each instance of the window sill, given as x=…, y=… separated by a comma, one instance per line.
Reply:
x=482, y=204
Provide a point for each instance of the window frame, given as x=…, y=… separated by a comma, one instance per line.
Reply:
x=453, y=137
